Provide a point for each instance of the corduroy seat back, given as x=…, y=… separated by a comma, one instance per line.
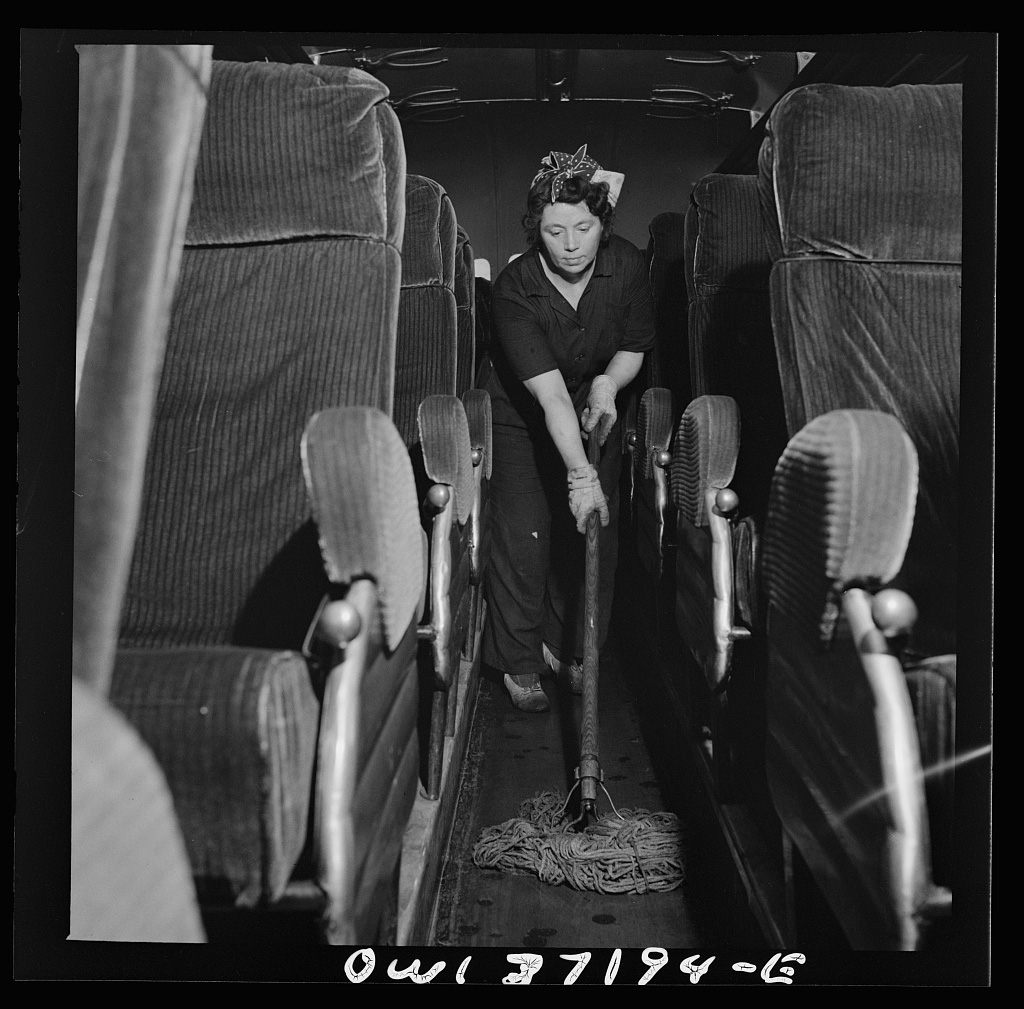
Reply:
x=481, y=330
x=434, y=359
x=465, y=297
x=286, y=309
x=286, y=304
x=732, y=352
x=861, y=190
x=427, y=350
x=663, y=384
x=669, y=364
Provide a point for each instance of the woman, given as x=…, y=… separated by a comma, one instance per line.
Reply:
x=572, y=319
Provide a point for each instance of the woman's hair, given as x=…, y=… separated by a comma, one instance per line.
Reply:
x=574, y=190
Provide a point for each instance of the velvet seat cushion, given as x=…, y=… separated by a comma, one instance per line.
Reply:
x=465, y=297
x=286, y=304
x=668, y=365
x=426, y=356
x=261, y=338
x=235, y=731
x=297, y=151
x=732, y=346
x=864, y=173
x=286, y=307
x=861, y=189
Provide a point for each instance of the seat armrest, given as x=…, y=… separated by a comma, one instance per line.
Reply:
x=654, y=429
x=360, y=482
x=477, y=404
x=839, y=521
x=704, y=455
x=478, y=413
x=703, y=464
x=650, y=459
x=447, y=449
x=840, y=514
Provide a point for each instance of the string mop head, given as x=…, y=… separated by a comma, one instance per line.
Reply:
x=627, y=851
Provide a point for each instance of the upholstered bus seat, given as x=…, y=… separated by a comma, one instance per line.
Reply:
x=861, y=190
x=273, y=676
x=141, y=115
x=725, y=446
x=666, y=366
x=670, y=362
x=656, y=395
x=861, y=193
x=448, y=436
x=465, y=295
x=844, y=764
x=732, y=352
x=482, y=326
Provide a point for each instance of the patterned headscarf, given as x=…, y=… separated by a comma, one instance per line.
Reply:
x=559, y=167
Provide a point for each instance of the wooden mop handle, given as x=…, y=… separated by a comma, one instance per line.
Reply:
x=590, y=768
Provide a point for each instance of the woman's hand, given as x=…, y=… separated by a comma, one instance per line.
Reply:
x=586, y=496
x=600, y=410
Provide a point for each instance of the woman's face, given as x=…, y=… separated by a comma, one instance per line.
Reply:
x=571, y=236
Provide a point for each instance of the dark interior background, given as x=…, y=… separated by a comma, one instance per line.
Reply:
x=514, y=105
x=503, y=147
x=479, y=112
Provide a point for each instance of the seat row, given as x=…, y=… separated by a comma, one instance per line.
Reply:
x=281, y=470
x=794, y=486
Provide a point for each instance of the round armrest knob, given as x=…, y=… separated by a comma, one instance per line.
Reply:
x=727, y=500
x=893, y=612
x=439, y=495
x=662, y=458
x=340, y=621
x=477, y=456
x=631, y=439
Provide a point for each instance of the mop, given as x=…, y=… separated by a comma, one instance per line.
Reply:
x=623, y=851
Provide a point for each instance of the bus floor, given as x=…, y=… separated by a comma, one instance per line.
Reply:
x=511, y=757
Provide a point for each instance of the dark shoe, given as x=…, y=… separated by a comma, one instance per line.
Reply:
x=530, y=697
x=573, y=670
x=576, y=677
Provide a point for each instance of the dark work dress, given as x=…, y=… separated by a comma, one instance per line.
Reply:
x=535, y=574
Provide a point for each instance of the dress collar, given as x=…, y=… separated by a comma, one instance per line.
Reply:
x=535, y=281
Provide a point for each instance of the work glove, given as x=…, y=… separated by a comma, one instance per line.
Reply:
x=600, y=410
x=586, y=496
